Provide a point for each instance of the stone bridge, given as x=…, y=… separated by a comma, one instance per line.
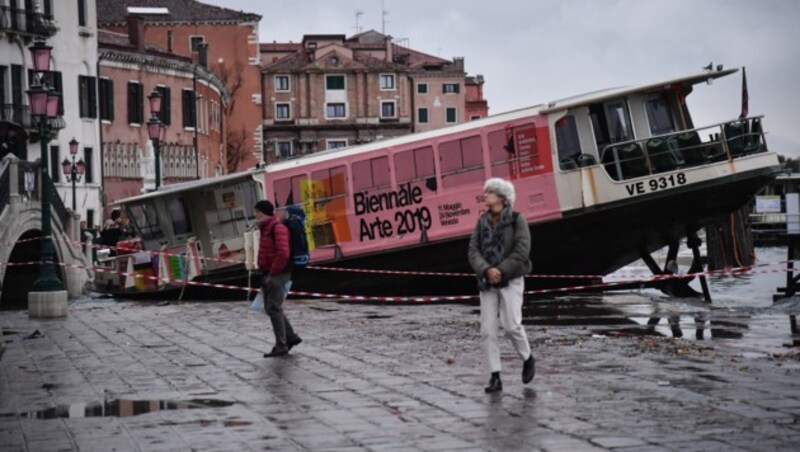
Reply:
x=21, y=232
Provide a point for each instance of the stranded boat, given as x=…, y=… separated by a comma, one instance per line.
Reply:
x=602, y=179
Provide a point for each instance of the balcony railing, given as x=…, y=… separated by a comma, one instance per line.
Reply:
x=26, y=22
x=16, y=113
x=683, y=149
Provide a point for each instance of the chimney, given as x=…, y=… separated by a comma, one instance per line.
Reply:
x=389, y=56
x=202, y=55
x=136, y=31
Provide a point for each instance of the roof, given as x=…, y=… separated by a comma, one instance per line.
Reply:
x=111, y=39
x=112, y=12
x=605, y=94
x=172, y=189
x=280, y=47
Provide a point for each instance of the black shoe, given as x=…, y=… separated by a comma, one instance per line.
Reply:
x=277, y=351
x=293, y=342
x=528, y=369
x=495, y=385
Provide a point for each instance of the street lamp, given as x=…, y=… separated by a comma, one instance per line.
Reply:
x=73, y=171
x=155, y=129
x=44, y=106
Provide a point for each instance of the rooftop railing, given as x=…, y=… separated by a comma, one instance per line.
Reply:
x=684, y=149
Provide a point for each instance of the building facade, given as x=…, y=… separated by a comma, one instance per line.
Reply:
x=70, y=28
x=227, y=41
x=193, y=100
x=330, y=91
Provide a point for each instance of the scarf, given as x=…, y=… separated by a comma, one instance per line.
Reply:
x=493, y=248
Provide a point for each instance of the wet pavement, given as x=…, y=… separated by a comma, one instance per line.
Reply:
x=131, y=376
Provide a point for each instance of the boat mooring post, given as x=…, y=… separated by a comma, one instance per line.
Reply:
x=793, y=245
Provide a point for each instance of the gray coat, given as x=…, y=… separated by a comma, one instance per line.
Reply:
x=517, y=242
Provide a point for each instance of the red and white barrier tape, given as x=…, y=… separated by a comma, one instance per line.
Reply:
x=732, y=271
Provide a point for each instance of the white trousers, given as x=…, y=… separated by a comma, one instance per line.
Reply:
x=508, y=303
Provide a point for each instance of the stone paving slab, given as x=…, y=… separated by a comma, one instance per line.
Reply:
x=375, y=378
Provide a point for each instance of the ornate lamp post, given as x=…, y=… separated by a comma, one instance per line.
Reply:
x=74, y=171
x=155, y=129
x=48, y=291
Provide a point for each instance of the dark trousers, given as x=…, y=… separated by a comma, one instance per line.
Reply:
x=274, y=287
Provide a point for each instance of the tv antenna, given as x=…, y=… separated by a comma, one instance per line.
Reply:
x=359, y=13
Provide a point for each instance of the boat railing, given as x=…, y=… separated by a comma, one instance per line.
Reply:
x=683, y=149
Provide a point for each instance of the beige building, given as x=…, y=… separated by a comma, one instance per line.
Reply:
x=330, y=91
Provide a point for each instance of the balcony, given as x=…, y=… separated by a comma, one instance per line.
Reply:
x=18, y=114
x=26, y=23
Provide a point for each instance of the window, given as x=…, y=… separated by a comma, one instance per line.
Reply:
x=567, y=141
x=166, y=104
x=179, y=216
x=332, y=182
x=619, y=121
x=16, y=85
x=189, y=108
x=55, y=164
x=48, y=8
x=659, y=116
x=450, y=115
x=90, y=218
x=282, y=83
x=387, y=82
x=283, y=111
x=414, y=165
x=106, y=99
x=334, y=82
x=474, y=117
x=195, y=42
x=288, y=191
x=422, y=88
x=3, y=71
x=58, y=84
x=336, y=144
x=135, y=103
x=388, y=110
x=451, y=88
x=88, y=175
x=145, y=220
x=461, y=161
x=371, y=174
x=335, y=110
x=82, y=13
x=169, y=41
x=284, y=149
x=422, y=115
x=87, y=96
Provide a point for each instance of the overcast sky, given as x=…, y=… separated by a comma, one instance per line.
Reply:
x=535, y=51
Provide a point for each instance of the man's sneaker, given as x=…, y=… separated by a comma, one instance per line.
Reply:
x=277, y=351
x=528, y=369
x=293, y=342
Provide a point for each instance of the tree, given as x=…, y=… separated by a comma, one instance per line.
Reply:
x=237, y=140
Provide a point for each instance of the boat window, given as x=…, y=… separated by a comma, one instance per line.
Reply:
x=145, y=220
x=619, y=121
x=250, y=195
x=659, y=116
x=568, y=143
x=501, y=152
x=329, y=182
x=414, y=165
x=372, y=173
x=461, y=161
x=178, y=214
x=288, y=191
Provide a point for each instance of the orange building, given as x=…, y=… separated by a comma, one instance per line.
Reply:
x=330, y=91
x=230, y=38
x=192, y=103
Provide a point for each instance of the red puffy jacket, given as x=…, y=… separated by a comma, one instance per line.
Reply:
x=273, y=250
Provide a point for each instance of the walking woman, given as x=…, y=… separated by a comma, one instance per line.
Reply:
x=499, y=252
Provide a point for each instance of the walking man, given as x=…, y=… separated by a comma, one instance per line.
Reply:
x=273, y=257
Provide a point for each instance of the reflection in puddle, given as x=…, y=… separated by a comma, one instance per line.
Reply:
x=118, y=408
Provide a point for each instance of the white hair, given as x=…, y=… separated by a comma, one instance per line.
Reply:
x=502, y=188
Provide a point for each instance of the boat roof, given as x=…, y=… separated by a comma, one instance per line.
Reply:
x=172, y=189
x=570, y=102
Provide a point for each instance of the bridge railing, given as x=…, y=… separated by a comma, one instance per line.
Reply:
x=27, y=183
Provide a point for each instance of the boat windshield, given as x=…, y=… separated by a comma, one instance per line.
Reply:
x=145, y=220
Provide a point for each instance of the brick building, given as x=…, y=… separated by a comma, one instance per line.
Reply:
x=193, y=100
x=332, y=91
x=183, y=28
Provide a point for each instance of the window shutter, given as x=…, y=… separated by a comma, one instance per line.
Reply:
x=110, y=99
x=92, y=82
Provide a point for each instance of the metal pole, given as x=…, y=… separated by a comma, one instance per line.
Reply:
x=73, y=175
x=48, y=280
x=156, y=147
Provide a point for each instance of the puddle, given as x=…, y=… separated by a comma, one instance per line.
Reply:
x=117, y=408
